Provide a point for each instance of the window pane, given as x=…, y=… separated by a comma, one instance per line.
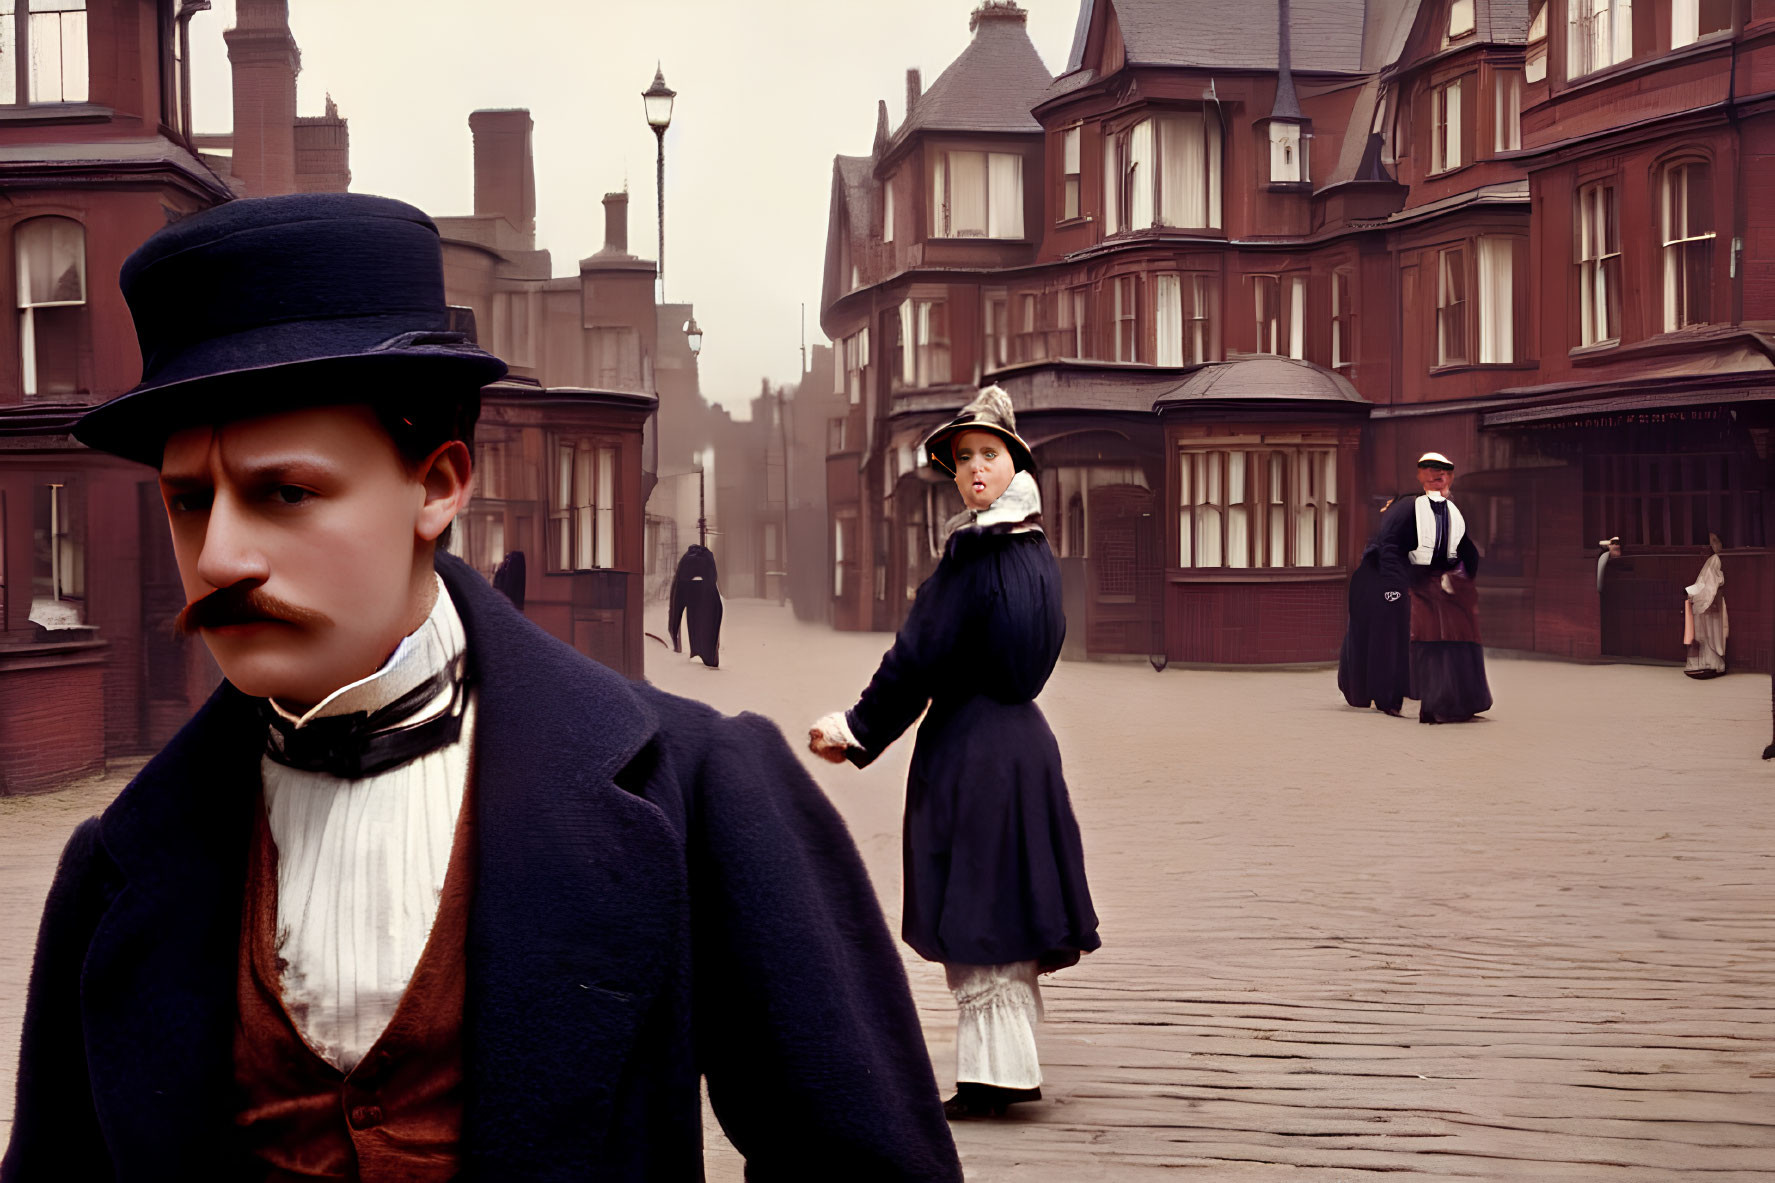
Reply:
x=606, y=503
x=967, y=194
x=1006, y=216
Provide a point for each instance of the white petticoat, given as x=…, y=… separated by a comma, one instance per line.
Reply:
x=995, y=1029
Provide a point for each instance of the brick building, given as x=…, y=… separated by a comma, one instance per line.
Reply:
x=1238, y=268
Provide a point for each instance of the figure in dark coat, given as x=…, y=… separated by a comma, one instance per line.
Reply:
x=509, y=578
x=660, y=893
x=1374, y=666
x=695, y=591
x=994, y=884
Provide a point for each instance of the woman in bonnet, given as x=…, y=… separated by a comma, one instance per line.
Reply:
x=994, y=870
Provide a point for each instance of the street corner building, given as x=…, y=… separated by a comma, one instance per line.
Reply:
x=1239, y=266
x=97, y=152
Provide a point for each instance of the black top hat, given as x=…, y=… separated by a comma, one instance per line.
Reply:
x=990, y=411
x=273, y=303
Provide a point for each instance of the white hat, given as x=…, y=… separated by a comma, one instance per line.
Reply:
x=1435, y=460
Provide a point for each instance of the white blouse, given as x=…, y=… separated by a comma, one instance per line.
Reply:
x=361, y=863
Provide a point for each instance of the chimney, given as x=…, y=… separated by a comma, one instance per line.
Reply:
x=914, y=88
x=881, y=126
x=616, y=224
x=505, y=177
x=265, y=61
x=1287, y=105
x=992, y=10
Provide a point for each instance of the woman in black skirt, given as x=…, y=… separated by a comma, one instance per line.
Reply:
x=994, y=869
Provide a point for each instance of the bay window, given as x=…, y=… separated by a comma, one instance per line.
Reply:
x=1163, y=171
x=976, y=195
x=1257, y=507
x=1599, y=264
x=1687, y=220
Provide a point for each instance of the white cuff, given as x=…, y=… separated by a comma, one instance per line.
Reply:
x=835, y=729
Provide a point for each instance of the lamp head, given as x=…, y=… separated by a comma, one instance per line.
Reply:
x=657, y=100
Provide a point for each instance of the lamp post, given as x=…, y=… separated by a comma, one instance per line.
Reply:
x=657, y=101
x=693, y=336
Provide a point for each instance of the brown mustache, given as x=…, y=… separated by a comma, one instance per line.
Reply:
x=243, y=604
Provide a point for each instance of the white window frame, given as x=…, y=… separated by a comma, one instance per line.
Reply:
x=1071, y=176
x=69, y=237
x=1680, y=240
x=1001, y=218
x=1258, y=507
x=1445, y=132
x=1452, y=308
x=584, y=480
x=1599, y=34
x=1137, y=163
x=1599, y=263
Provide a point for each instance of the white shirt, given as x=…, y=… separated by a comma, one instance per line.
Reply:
x=361, y=863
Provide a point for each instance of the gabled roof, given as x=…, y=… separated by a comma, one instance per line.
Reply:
x=992, y=86
x=852, y=212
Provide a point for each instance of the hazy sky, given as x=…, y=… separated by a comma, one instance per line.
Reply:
x=768, y=92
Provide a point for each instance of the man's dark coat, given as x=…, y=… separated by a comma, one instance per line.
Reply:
x=697, y=592
x=660, y=891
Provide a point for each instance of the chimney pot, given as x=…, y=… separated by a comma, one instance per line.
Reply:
x=914, y=88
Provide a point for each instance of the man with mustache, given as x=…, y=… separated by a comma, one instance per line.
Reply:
x=422, y=893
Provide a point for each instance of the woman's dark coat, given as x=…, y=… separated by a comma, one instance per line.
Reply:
x=660, y=892
x=696, y=591
x=1375, y=663
x=994, y=867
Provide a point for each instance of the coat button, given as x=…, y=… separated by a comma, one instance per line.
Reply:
x=366, y=1117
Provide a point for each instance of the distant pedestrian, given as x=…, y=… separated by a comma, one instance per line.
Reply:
x=1704, y=617
x=508, y=578
x=994, y=868
x=696, y=592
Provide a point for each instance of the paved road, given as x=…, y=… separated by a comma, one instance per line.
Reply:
x=1536, y=947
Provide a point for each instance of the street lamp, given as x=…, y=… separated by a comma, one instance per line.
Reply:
x=693, y=335
x=657, y=101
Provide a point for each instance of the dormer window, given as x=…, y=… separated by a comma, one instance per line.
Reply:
x=1460, y=19
x=1288, y=159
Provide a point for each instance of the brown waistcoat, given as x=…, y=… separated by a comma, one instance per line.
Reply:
x=398, y=1114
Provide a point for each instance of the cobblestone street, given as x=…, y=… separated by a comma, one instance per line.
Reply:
x=1540, y=946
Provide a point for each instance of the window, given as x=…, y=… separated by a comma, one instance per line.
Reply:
x=51, y=65
x=1032, y=342
x=1288, y=161
x=1127, y=298
x=58, y=558
x=1266, y=302
x=582, y=510
x=854, y=355
x=1534, y=66
x=1688, y=245
x=996, y=330
x=1183, y=312
x=1445, y=142
x=1070, y=177
x=1507, y=111
x=835, y=435
x=1497, y=300
x=977, y=195
x=1258, y=507
x=887, y=211
x=1451, y=307
x=616, y=358
x=51, y=262
x=1297, y=316
x=1654, y=497
x=1074, y=340
x=924, y=343
x=1599, y=264
x=840, y=532
x=1343, y=319
x=1460, y=18
x=1599, y=33
x=1163, y=171
x=1691, y=20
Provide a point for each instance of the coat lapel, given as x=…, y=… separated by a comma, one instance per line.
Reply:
x=580, y=905
x=157, y=991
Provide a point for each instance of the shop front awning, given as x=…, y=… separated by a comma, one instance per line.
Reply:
x=1568, y=409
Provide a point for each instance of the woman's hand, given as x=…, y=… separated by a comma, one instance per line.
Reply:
x=829, y=738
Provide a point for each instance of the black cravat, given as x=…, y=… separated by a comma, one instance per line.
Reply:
x=1439, y=555
x=364, y=743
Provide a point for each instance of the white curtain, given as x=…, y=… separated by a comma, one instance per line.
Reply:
x=940, y=196
x=1238, y=520
x=1327, y=462
x=1187, y=511
x=606, y=505
x=1306, y=521
x=908, y=346
x=1278, y=510
x=1006, y=218
x=887, y=211
x=1183, y=189
x=1622, y=21
x=1140, y=175
x=1297, y=316
x=1576, y=30
x=58, y=52
x=1110, y=185
x=583, y=521
x=1685, y=22
x=1070, y=147
x=838, y=557
x=967, y=194
x=1497, y=300
x=1168, y=314
x=1211, y=123
x=51, y=255
x=1208, y=500
x=1451, y=151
